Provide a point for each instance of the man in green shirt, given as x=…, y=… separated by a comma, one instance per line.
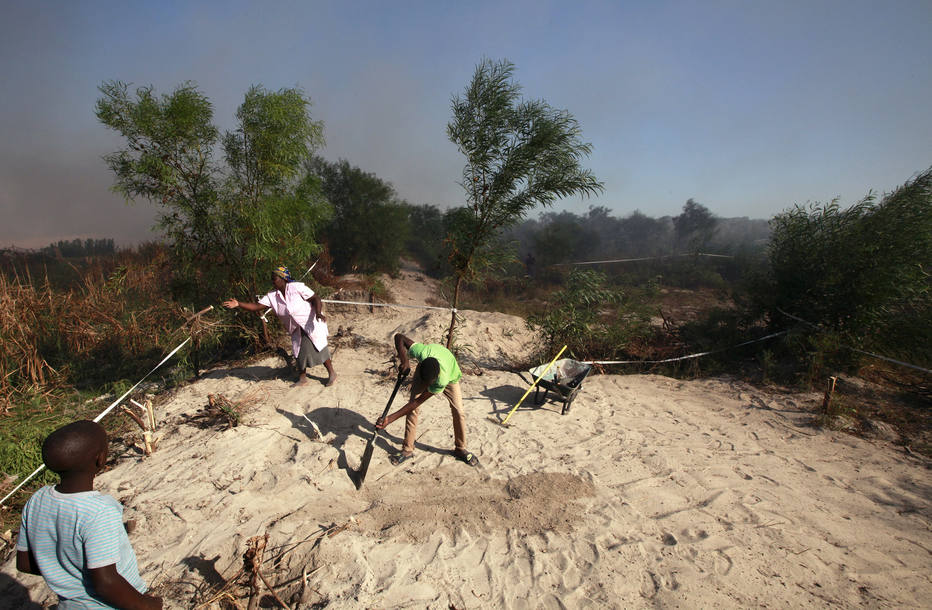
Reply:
x=437, y=373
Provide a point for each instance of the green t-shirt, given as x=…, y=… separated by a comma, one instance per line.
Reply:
x=449, y=369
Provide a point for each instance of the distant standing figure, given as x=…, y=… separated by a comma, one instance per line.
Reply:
x=437, y=373
x=74, y=536
x=301, y=313
x=530, y=264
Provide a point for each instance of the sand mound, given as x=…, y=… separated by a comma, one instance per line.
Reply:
x=451, y=498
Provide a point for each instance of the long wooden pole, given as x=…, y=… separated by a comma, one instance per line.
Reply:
x=539, y=377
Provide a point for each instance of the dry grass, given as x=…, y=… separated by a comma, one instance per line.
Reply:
x=55, y=338
x=22, y=368
x=63, y=342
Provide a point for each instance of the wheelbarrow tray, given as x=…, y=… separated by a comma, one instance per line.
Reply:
x=565, y=378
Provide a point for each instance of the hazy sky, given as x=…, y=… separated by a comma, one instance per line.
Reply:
x=747, y=106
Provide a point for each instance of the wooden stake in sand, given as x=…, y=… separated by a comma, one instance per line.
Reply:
x=829, y=392
x=146, y=422
x=539, y=377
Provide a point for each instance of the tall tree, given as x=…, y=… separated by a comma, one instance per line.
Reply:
x=370, y=225
x=273, y=137
x=694, y=227
x=168, y=160
x=519, y=154
x=224, y=222
x=278, y=206
x=425, y=239
x=564, y=238
x=641, y=235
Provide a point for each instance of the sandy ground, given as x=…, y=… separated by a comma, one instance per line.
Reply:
x=650, y=492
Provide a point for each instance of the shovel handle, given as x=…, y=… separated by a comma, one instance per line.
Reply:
x=401, y=377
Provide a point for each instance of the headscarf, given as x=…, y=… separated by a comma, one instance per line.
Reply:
x=283, y=273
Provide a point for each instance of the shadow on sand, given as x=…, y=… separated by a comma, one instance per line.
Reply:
x=207, y=568
x=505, y=397
x=14, y=594
x=253, y=373
x=344, y=424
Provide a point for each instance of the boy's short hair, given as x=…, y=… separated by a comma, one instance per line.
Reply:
x=429, y=370
x=74, y=446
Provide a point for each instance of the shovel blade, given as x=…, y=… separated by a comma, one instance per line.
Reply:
x=364, y=464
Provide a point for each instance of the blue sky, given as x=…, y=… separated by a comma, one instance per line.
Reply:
x=748, y=107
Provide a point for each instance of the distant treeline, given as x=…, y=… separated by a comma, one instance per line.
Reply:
x=553, y=238
x=564, y=237
x=372, y=228
x=371, y=234
x=79, y=247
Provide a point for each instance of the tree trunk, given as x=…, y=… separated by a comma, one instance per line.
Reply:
x=456, y=299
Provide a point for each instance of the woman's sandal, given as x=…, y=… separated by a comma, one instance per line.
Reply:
x=467, y=458
x=400, y=457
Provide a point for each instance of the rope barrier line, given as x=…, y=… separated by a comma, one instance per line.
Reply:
x=101, y=416
x=900, y=362
x=309, y=269
x=336, y=302
x=617, y=260
x=646, y=258
x=854, y=349
x=125, y=394
x=715, y=351
x=331, y=301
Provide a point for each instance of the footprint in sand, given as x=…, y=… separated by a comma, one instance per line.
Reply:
x=649, y=585
x=722, y=563
x=691, y=535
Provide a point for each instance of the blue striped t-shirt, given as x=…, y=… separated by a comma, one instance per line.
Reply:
x=69, y=534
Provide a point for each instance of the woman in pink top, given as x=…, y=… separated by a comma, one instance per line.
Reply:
x=300, y=312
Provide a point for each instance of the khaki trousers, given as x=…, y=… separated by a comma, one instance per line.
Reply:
x=454, y=396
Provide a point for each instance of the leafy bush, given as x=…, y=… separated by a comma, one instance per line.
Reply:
x=862, y=272
x=585, y=316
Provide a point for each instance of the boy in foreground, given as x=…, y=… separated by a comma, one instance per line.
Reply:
x=437, y=373
x=73, y=536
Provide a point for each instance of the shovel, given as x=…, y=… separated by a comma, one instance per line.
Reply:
x=370, y=446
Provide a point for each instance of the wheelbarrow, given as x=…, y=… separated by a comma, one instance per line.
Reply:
x=565, y=378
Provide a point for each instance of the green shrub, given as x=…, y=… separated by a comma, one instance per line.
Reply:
x=594, y=319
x=859, y=272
